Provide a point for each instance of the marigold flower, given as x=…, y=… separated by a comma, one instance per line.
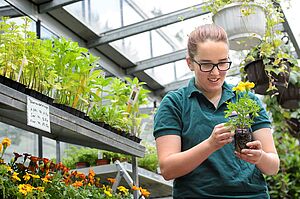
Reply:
x=25, y=188
x=34, y=176
x=41, y=189
x=26, y=177
x=135, y=188
x=6, y=142
x=123, y=190
x=144, y=192
x=111, y=180
x=45, y=180
x=77, y=184
x=15, y=176
x=1, y=147
x=107, y=193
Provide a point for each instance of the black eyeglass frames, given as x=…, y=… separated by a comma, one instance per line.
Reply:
x=208, y=67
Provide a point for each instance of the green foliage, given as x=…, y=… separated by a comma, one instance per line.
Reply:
x=150, y=160
x=286, y=184
x=80, y=154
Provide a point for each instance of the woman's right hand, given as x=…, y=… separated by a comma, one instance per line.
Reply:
x=220, y=136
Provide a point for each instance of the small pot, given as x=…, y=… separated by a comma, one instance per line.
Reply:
x=241, y=138
x=80, y=165
x=102, y=162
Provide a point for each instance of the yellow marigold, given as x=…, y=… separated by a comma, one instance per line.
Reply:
x=6, y=142
x=123, y=190
x=249, y=85
x=15, y=176
x=108, y=193
x=8, y=168
x=25, y=188
x=34, y=176
x=45, y=179
x=26, y=177
x=1, y=147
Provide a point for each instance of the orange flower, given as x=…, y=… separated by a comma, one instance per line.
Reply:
x=77, y=184
x=135, y=188
x=144, y=192
x=111, y=180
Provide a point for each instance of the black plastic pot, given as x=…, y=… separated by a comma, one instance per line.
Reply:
x=256, y=73
x=39, y=96
x=12, y=84
x=241, y=138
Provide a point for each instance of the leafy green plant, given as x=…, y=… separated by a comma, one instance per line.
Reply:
x=80, y=154
x=244, y=109
x=150, y=160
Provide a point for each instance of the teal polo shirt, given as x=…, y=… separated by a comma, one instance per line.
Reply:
x=188, y=114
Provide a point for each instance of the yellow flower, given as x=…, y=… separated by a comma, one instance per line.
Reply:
x=108, y=193
x=1, y=147
x=239, y=88
x=249, y=85
x=34, y=176
x=123, y=190
x=25, y=188
x=6, y=142
x=45, y=180
x=8, y=168
x=15, y=176
x=26, y=177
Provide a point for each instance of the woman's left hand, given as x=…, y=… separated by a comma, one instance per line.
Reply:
x=253, y=154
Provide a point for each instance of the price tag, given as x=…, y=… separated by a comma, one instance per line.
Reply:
x=38, y=114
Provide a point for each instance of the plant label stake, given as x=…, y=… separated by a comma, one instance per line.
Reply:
x=133, y=98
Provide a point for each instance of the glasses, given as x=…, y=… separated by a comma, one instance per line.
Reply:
x=208, y=67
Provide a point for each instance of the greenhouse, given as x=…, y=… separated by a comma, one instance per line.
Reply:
x=149, y=99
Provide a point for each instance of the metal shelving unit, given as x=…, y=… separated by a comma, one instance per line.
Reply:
x=64, y=126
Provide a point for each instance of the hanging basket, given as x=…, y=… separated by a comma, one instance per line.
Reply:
x=289, y=97
x=256, y=73
x=244, y=32
x=294, y=127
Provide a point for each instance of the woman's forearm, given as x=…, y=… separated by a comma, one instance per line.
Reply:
x=269, y=163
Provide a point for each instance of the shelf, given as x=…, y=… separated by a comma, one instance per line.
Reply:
x=154, y=183
x=64, y=126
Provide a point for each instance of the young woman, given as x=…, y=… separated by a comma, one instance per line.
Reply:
x=194, y=147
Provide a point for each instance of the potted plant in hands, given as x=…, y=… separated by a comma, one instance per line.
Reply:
x=241, y=114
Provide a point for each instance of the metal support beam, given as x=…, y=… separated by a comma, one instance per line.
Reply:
x=157, y=61
x=54, y=4
x=147, y=25
x=8, y=11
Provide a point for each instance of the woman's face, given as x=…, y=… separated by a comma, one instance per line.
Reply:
x=209, y=52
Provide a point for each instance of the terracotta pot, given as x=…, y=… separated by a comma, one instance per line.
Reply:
x=102, y=162
x=256, y=73
x=241, y=138
x=79, y=165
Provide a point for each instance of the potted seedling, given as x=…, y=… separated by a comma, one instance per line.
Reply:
x=241, y=114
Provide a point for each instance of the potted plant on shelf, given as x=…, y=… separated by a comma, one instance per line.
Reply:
x=241, y=114
x=245, y=21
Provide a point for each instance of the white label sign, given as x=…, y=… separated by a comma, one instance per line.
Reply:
x=38, y=114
